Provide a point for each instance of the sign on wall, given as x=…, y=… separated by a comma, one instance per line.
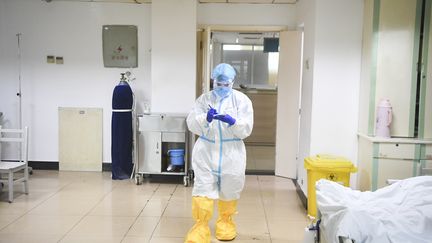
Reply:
x=120, y=46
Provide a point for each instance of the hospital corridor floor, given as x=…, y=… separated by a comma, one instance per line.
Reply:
x=90, y=207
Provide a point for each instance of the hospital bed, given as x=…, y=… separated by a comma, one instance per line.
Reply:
x=400, y=212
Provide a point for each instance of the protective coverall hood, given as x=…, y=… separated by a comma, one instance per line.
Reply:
x=223, y=78
x=223, y=73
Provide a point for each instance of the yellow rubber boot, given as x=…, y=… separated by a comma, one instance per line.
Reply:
x=225, y=226
x=202, y=211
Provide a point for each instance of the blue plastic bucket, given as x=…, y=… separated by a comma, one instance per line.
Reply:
x=176, y=156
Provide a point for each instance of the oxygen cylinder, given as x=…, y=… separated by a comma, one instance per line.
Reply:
x=121, y=130
x=383, y=119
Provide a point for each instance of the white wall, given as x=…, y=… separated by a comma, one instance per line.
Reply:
x=173, y=55
x=337, y=76
x=247, y=14
x=72, y=30
x=335, y=80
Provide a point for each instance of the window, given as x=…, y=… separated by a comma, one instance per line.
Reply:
x=255, y=69
x=246, y=52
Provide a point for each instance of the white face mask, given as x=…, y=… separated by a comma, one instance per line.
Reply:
x=222, y=89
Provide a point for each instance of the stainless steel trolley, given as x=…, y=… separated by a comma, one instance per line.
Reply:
x=157, y=134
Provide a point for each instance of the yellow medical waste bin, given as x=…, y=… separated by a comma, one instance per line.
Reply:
x=328, y=167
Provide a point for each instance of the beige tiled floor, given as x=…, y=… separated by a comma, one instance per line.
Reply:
x=90, y=207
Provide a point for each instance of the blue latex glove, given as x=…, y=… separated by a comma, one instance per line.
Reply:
x=225, y=118
x=211, y=113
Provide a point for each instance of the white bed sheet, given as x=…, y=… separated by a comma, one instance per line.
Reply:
x=401, y=212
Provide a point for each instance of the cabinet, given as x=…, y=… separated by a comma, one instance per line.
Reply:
x=264, y=104
x=426, y=160
x=395, y=66
x=397, y=46
x=158, y=134
x=425, y=111
x=426, y=152
x=395, y=158
x=150, y=152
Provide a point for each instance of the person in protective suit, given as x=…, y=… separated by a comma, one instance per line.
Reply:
x=221, y=118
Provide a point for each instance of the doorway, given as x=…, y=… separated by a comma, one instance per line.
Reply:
x=256, y=68
x=255, y=56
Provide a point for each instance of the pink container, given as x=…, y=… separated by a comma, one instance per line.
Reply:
x=383, y=119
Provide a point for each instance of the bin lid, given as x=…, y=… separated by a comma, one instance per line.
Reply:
x=326, y=161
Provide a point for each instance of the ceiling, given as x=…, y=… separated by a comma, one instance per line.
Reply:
x=250, y=1
x=200, y=1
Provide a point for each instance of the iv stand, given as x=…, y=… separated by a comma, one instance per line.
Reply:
x=30, y=169
x=19, y=81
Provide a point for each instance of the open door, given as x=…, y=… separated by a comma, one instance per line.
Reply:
x=199, y=63
x=203, y=61
x=203, y=71
x=288, y=103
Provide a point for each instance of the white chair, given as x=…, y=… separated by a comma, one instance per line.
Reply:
x=15, y=136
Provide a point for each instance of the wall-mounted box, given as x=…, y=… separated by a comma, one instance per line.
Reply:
x=120, y=46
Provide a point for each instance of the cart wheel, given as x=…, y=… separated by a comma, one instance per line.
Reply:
x=138, y=179
x=191, y=175
x=186, y=181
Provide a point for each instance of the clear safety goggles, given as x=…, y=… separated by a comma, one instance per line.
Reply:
x=223, y=84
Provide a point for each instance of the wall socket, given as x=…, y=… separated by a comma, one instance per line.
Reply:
x=54, y=59
x=50, y=59
x=59, y=60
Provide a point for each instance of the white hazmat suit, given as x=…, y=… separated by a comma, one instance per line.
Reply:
x=219, y=155
x=221, y=118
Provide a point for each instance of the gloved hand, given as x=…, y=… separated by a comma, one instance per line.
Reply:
x=225, y=118
x=211, y=113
